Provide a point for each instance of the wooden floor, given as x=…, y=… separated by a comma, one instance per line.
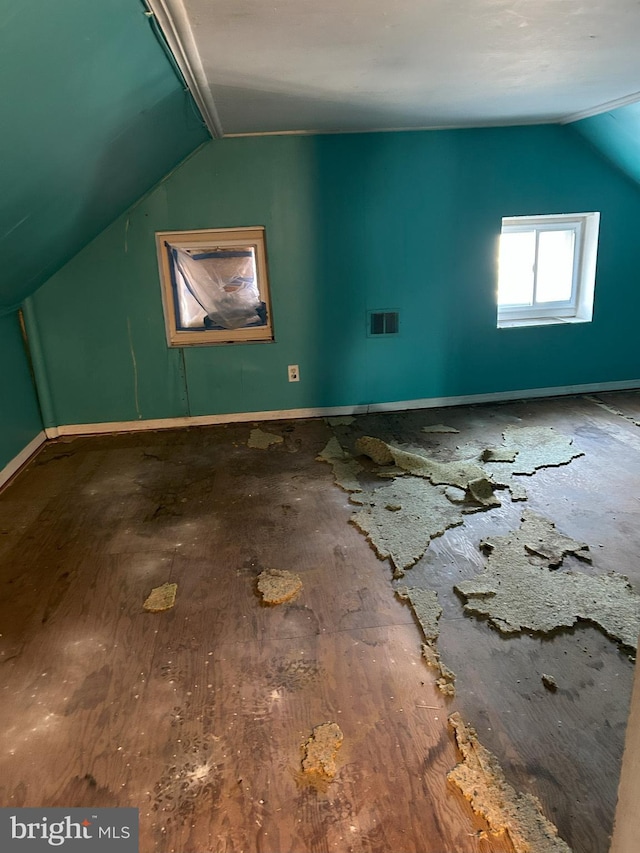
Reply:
x=197, y=715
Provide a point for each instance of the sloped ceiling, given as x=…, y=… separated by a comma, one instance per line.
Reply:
x=353, y=65
x=93, y=115
x=616, y=134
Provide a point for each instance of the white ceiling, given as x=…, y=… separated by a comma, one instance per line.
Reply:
x=259, y=66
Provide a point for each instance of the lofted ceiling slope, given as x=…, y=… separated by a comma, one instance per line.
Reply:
x=93, y=115
x=354, y=65
x=359, y=65
x=616, y=134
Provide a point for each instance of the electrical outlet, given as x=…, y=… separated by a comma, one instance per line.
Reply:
x=294, y=373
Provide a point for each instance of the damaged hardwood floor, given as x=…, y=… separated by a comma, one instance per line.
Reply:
x=197, y=715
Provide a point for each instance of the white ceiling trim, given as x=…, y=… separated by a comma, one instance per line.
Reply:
x=603, y=108
x=173, y=20
x=410, y=129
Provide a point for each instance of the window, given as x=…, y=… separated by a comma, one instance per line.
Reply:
x=214, y=286
x=547, y=268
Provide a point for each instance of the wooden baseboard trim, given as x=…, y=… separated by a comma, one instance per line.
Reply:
x=12, y=467
x=333, y=411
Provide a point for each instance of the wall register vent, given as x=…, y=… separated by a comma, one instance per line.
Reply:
x=383, y=323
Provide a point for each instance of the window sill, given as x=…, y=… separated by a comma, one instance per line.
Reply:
x=539, y=321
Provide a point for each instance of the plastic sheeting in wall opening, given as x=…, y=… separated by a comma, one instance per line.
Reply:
x=216, y=288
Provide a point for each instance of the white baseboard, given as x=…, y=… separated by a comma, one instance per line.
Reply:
x=505, y=396
x=332, y=411
x=18, y=461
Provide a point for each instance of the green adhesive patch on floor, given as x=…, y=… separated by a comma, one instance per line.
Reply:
x=498, y=454
x=340, y=420
x=538, y=447
x=278, y=585
x=376, y=449
x=332, y=450
x=320, y=750
x=515, y=592
x=457, y=473
x=465, y=474
x=446, y=677
x=260, y=440
x=613, y=410
x=442, y=428
x=161, y=598
x=526, y=450
x=427, y=610
x=481, y=490
x=425, y=605
x=482, y=782
x=400, y=519
x=345, y=467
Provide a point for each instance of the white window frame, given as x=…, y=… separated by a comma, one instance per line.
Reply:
x=577, y=309
x=228, y=238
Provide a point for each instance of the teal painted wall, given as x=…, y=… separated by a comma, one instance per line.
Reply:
x=405, y=221
x=616, y=134
x=20, y=420
x=93, y=116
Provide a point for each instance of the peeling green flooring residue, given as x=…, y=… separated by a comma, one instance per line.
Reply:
x=340, y=420
x=481, y=780
x=375, y=448
x=526, y=450
x=464, y=474
x=457, y=473
x=516, y=593
x=401, y=518
x=424, y=603
x=442, y=428
x=427, y=610
x=498, y=454
x=261, y=440
x=537, y=447
x=345, y=467
x=613, y=410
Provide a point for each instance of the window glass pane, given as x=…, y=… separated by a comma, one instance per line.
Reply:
x=515, y=278
x=555, y=266
x=217, y=288
x=190, y=313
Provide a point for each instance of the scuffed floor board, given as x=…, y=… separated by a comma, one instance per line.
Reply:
x=197, y=715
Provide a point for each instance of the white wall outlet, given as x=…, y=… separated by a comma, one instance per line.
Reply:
x=294, y=373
